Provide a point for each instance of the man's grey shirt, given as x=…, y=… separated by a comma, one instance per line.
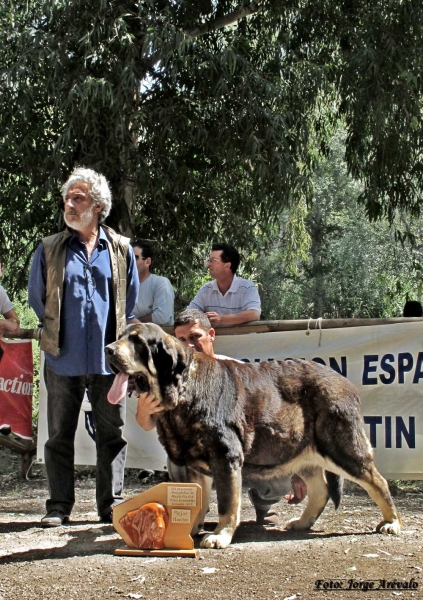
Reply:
x=155, y=298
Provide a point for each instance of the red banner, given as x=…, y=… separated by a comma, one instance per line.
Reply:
x=16, y=380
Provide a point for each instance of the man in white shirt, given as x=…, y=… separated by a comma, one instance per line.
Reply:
x=156, y=296
x=228, y=300
x=10, y=324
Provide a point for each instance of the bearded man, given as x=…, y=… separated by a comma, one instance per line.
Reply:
x=83, y=285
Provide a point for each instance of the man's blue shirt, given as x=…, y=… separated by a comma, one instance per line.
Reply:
x=87, y=316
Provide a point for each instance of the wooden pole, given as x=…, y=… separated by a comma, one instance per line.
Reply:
x=268, y=326
x=303, y=325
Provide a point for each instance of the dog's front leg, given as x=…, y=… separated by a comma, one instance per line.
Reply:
x=228, y=490
x=206, y=486
x=184, y=474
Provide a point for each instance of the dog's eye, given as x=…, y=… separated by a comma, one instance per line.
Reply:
x=135, y=339
x=140, y=347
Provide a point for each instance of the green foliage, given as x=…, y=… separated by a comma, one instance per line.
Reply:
x=400, y=487
x=353, y=268
x=207, y=125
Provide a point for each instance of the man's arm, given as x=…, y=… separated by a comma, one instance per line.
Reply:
x=145, y=319
x=37, y=283
x=235, y=319
x=132, y=284
x=163, y=301
x=198, y=301
x=11, y=316
x=10, y=323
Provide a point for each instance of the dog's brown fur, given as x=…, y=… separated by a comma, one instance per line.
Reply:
x=266, y=420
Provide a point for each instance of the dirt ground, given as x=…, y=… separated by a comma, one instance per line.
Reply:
x=341, y=557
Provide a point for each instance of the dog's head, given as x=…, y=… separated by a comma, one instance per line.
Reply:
x=151, y=358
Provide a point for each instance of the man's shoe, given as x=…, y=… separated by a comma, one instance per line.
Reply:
x=54, y=518
x=146, y=475
x=107, y=518
x=266, y=517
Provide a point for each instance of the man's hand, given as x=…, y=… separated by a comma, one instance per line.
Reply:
x=214, y=317
x=245, y=316
x=10, y=327
x=148, y=405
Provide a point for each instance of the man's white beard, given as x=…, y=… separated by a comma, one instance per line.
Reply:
x=84, y=221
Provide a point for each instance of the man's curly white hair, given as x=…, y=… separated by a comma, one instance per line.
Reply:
x=99, y=188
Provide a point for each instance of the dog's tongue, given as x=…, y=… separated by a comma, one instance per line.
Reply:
x=118, y=390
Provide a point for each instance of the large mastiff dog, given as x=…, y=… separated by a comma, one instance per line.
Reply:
x=267, y=420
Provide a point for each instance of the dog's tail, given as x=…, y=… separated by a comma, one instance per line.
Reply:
x=335, y=487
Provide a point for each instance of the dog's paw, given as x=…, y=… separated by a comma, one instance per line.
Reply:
x=221, y=540
x=393, y=528
x=298, y=524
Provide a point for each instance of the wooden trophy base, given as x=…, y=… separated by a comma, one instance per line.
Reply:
x=182, y=502
x=135, y=552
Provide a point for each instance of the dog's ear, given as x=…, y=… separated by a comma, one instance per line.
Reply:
x=170, y=360
x=143, y=349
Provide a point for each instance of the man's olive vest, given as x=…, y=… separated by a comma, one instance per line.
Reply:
x=55, y=247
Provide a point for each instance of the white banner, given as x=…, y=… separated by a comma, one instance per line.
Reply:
x=385, y=362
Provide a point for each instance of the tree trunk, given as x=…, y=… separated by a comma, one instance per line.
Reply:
x=317, y=234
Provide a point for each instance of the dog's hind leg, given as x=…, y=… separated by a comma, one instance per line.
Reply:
x=342, y=440
x=318, y=496
x=379, y=492
x=353, y=459
x=377, y=488
x=228, y=490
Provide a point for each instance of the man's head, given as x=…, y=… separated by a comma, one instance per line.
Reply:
x=193, y=329
x=86, y=195
x=412, y=308
x=143, y=253
x=224, y=259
